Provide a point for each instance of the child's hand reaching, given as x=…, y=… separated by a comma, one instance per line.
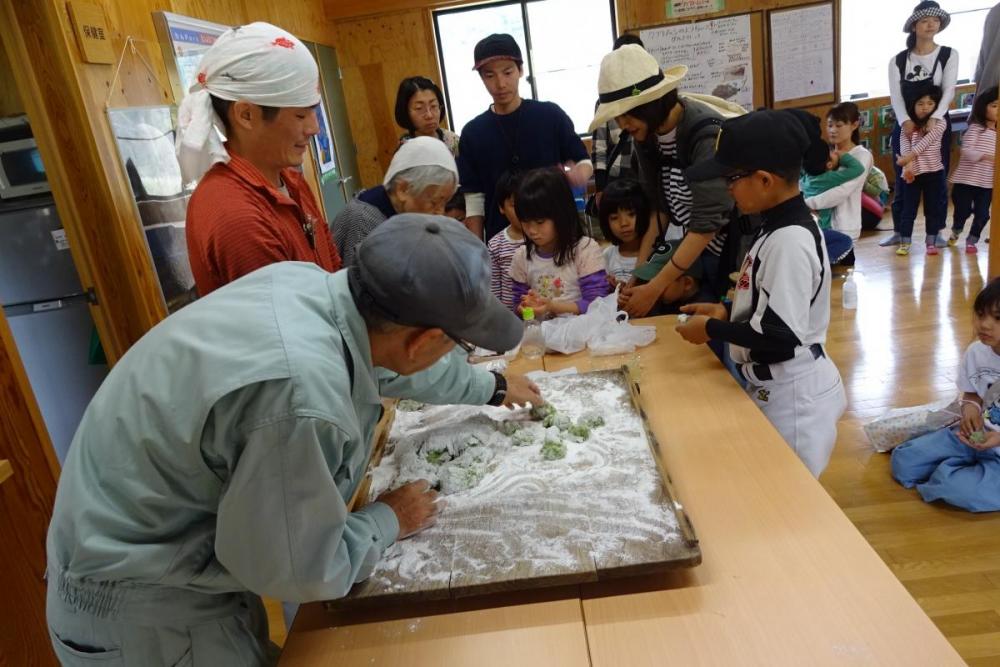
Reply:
x=713, y=310
x=972, y=418
x=908, y=175
x=904, y=160
x=981, y=440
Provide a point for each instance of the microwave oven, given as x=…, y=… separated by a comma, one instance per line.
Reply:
x=21, y=170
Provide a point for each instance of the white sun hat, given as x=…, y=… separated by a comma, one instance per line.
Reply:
x=629, y=77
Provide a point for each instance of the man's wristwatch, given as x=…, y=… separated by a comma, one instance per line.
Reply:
x=499, y=392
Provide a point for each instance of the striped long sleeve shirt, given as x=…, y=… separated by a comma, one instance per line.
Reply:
x=975, y=167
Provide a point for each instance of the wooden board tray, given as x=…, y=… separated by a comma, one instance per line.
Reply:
x=609, y=511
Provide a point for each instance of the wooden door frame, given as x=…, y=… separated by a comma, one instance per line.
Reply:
x=88, y=184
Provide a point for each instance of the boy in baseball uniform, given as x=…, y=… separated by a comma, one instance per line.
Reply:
x=776, y=326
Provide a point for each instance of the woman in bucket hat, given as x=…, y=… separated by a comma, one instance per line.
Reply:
x=670, y=132
x=922, y=64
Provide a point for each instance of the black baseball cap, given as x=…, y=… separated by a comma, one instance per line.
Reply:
x=763, y=140
x=430, y=271
x=498, y=46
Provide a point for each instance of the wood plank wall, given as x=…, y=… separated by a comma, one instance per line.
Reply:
x=67, y=101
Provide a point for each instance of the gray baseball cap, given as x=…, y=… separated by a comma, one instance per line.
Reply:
x=430, y=271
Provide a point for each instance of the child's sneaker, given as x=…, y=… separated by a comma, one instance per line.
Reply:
x=938, y=241
x=892, y=240
x=932, y=249
x=953, y=240
x=903, y=249
x=971, y=249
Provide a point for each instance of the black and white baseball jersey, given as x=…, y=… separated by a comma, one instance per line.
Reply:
x=782, y=299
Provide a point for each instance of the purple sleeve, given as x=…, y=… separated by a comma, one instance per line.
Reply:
x=592, y=286
x=519, y=289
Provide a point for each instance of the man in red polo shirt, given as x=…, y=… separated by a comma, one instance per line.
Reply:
x=259, y=86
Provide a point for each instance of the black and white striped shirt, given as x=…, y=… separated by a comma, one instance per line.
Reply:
x=676, y=190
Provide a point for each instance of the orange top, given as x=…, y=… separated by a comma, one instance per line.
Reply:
x=237, y=222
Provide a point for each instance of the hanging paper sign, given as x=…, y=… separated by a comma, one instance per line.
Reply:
x=680, y=8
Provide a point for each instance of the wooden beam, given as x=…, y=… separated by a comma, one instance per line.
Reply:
x=994, y=233
x=90, y=189
x=348, y=9
x=26, y=501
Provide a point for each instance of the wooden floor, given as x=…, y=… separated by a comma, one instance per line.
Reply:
x=902, y=347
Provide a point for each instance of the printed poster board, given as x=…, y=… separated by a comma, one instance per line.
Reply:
x=718, y=53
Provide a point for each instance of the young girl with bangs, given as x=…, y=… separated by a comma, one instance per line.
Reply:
x=558, y=270
x=624, y=217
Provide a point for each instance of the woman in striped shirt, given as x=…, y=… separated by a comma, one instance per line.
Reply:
x=923, y=172
x=972, y=180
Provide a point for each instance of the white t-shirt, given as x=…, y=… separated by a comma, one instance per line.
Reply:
x=617, y=265
x=559, y=283
x=919, y=68
x=981, y=368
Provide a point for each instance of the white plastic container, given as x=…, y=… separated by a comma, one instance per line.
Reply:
x=533, y=342
x=850, y=294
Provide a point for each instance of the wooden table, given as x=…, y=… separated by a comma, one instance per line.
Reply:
x=786, y=578
x=5, y=470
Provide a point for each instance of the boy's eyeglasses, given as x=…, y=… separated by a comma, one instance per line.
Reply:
x=464, y=344
x=732, y=178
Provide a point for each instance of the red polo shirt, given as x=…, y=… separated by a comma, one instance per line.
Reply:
x=237, y=222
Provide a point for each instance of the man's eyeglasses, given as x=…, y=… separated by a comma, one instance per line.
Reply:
x=736, y=176
x=464, y=344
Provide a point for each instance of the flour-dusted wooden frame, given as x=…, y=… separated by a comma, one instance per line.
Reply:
x=682, y=552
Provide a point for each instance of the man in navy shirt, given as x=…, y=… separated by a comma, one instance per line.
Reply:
x=514, y=134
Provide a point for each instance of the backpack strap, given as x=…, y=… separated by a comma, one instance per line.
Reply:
x=901, y=63
x=697, y=134
x=942, y=59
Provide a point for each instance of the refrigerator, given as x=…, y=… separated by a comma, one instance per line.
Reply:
x=47, y=311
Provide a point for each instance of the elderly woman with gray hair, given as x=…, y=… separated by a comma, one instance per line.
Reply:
x=421, y=178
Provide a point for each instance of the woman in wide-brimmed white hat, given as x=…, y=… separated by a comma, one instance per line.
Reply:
x=921, y=64
x=670, y=132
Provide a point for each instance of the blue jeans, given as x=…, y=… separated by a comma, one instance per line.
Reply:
x=942, y=467
x=969, y=199
x=934, y=189
x=899, y=188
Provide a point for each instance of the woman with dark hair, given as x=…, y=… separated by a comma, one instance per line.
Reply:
x=420, y=111
x=669, y=134
x=842, y=132
x=921, y=64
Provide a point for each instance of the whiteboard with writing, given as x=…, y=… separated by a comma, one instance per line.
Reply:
x=802, y=52
x=717, y=52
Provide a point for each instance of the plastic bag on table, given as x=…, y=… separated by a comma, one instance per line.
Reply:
x=901, y=424
x=603, y=324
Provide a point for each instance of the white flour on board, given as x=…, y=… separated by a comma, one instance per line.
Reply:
x=508, y=510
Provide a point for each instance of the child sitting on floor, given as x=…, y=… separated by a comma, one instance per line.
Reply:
x=961, y=465
x=624, y=217
x=558, y=270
